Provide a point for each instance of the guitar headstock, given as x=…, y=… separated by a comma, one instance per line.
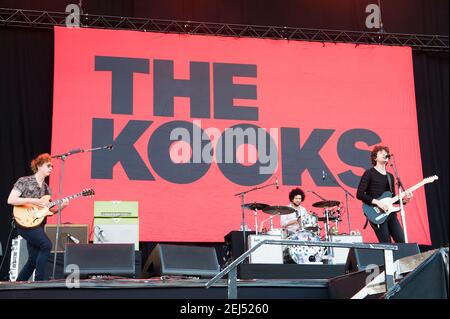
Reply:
x=430, y=179
x=88, y=192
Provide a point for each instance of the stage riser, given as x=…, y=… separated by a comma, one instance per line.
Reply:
x=263, y=292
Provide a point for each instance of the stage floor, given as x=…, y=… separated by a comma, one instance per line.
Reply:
x=167, y=288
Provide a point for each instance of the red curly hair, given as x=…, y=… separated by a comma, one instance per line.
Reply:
x=40, y=160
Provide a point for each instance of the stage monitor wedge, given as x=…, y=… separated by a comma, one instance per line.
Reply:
x=100, y=260
x=178, y=260
x=358, y=259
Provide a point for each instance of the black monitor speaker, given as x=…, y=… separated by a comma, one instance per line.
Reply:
x=100, y=260
x=179, y=260
x=358, y=259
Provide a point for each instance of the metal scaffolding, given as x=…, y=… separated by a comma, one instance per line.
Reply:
x=46, y=19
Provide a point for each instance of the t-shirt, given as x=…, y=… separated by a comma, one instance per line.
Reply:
x=29, y=187
x=373, y=184
x=284, y=219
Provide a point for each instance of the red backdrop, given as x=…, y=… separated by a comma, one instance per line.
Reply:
x=299, y=85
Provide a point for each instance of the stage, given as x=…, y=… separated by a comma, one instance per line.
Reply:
x=166, y=288
x=225, y=153
x=423, y=276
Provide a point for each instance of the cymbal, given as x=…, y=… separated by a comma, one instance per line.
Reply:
x=326, y=203
x=278, y=210
x=254, y=206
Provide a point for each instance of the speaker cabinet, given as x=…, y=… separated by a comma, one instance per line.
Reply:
x=68, y=234
x=116, y=222
x=358, y=259
x=100, y=259
x=265, y=254
x=181, y=260
x=340, y=254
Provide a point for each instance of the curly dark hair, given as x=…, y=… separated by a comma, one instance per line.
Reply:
x=375, y=150
x=40, y=160
x=295, y=192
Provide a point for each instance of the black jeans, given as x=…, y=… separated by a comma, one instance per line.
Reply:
x=390, y=228
x=39, y=247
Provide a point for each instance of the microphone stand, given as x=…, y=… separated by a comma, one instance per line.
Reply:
x=346, y=201
x=242, y=194
x=400, y=190
x=63, y=158
x=329, y=250
x=271, y=223
x=309, y=191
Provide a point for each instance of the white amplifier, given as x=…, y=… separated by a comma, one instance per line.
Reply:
x=340, y=254
x=266, y=254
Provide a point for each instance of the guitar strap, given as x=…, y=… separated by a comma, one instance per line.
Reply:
x=367, y=222
x=390, y=184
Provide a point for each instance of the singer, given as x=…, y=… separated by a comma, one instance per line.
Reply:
x=374, y=182
x=29, y=190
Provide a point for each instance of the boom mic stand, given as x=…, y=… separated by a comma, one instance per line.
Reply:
x=310, y=191
x=242, y=194
x=400, y=190
x=63, y=158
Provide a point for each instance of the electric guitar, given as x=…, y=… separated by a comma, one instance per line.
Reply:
x=30, y=216
x=377, y=216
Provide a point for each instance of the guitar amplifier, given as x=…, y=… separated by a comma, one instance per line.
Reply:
x=68, y=234
x=340, y=254
x=116, y=222
x=265, y=254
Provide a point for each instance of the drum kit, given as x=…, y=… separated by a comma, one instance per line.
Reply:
x=310, y=228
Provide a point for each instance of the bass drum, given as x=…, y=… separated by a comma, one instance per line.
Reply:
x=305, y=254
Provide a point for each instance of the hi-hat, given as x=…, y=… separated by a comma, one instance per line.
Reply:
x=326, y=203
x=278, y=210
x=254, y=206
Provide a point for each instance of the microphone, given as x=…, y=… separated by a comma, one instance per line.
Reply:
x=323, y=175
x=75, y=151
x=75, y=240
x=276, y=183
x=109, y=147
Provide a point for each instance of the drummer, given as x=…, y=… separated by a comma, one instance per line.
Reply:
x=291, y=221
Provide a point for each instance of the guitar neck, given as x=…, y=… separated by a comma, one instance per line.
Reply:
x=59, y=201
x=411, y=189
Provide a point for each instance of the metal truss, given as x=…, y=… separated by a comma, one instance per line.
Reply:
x=45, y=19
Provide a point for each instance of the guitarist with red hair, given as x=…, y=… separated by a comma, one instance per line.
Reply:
x=29, y=190
x=374, y=182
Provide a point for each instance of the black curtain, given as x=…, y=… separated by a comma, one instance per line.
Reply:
x=26, y=76
x=431, y=85
x=26, y=95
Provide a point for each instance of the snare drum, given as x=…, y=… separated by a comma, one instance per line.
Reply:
x=305, y=254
